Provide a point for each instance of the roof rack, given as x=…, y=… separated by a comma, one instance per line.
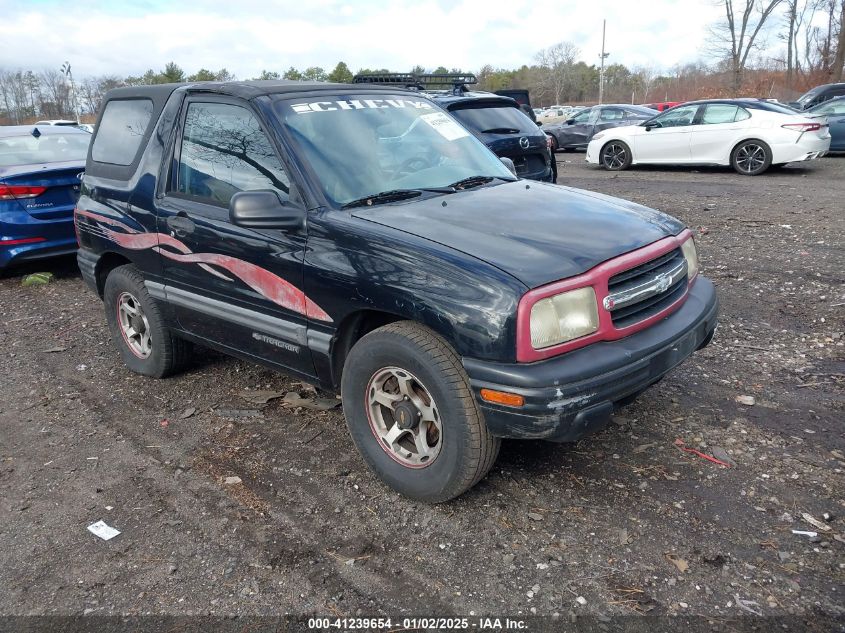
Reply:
x=458, y=82
x=409, y=80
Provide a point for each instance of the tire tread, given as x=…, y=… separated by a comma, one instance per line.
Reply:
x=483, y=448
x=175, y=353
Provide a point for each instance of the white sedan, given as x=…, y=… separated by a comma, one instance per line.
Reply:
x=748, y=135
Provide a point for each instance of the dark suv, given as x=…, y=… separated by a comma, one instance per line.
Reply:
x=817, y=95
x=497, y=120
x=360, y=238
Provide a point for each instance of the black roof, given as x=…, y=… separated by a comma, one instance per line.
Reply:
x=246, y=89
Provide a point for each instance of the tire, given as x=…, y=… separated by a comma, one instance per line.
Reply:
x=152, y=350
x=751, y=157
x=457, y=454
x=554, y=143
x=615, y=156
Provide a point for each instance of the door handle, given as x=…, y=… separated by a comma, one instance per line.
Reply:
x=180, y=224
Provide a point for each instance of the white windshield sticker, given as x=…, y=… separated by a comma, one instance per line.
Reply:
x=447, y=127
x=358, y=104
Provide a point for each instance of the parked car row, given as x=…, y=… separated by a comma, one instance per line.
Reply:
x=40, y=164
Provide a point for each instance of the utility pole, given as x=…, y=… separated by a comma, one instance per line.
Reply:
x=603, y=56
x=69, y=75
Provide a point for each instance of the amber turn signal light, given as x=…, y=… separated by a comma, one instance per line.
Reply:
x=501, y=397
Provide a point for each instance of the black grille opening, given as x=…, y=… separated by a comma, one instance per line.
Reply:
x=643, y=274
x=637, y=312
x=667, y=261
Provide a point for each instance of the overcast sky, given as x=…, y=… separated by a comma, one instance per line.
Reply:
x=246, y=36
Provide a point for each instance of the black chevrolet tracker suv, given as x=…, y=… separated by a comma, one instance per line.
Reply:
x=359, y=238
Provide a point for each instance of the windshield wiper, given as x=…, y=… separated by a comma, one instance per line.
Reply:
x=394, y=195
x=500, y=130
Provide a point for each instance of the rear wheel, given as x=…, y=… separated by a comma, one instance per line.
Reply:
x=554, y=147
x=751, y=158
x=615, y=156
x=138, y=328
x=412, y=414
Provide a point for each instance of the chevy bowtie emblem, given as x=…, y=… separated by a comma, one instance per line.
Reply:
x=402, y=417
x=524, y=142
x=662, y=281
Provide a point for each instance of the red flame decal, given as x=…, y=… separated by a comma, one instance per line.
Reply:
x=267, y=284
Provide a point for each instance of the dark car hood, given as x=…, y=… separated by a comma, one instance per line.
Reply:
x=536, y=232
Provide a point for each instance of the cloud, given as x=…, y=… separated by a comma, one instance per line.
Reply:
x=247, y=36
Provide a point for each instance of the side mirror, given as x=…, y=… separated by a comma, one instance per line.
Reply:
x=264, y=210
x=570, y=121
x=507, y=162
x=648, y=125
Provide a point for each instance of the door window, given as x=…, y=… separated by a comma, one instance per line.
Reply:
x=224, y=150
x=677, y=117
x=715, y=113
x=583, y=116
x=611, y=114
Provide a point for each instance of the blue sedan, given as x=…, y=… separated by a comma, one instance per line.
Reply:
x=834, y=110
x=41, y=170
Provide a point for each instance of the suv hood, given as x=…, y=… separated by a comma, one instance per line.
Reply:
x=537, y=232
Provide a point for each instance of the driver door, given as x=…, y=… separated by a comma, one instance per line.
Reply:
x=669, y=141
x=236, y=287
x=579, y=130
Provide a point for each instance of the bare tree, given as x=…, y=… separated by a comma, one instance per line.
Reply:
x=556, y=63
x=839, y=61
x=738, y=35
x=57, y=92
x=645, y=78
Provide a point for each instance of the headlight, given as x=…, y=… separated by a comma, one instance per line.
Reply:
x=564, y=317
x=690, y=254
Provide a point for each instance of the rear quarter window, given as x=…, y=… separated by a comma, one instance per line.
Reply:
x=121, y=131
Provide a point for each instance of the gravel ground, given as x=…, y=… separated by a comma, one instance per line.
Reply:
x=622, y=523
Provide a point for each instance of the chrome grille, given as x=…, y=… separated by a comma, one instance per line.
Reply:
x=641, y=292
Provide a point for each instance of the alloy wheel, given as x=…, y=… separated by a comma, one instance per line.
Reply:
x=614, y=156
x=750, y=157
x=404, y=417
x=134, y=325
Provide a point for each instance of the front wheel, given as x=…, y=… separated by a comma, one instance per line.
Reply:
x=138, y=328
x=615, y=156
x=751, y=158
x=412, y=414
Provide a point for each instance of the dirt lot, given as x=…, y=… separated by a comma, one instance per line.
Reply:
x=621, y=523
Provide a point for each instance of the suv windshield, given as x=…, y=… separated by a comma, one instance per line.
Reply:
x=496, y=120
x=363, y=145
